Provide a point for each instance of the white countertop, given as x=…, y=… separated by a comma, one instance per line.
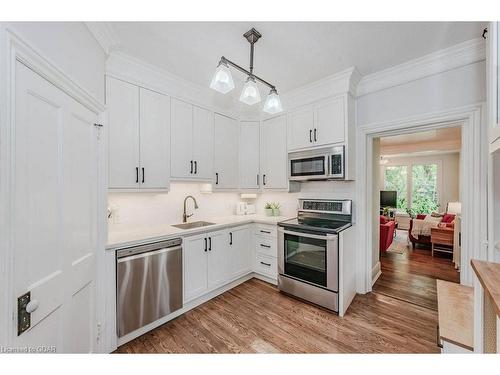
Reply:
x=123, y=236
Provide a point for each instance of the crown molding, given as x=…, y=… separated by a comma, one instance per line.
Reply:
x=453, y=57
x=105, y=35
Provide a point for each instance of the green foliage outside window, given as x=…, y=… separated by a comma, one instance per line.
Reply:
x=396, y=179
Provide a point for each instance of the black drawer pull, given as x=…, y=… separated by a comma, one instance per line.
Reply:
x=142, y=174
x=230, y=238
x=191, y=171
x=136, y=175
x=310, y=135
x=266, y=264
x=268, y=246
x=265, y=231
x=205, y=244
x=195, y=167
x=209, y=243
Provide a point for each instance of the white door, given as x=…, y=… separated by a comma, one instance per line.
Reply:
x=203, y=143
x=226, y=152
x=301, y=129
x=249, y=155
x=329, y=120
x=274, y=153
x=218, y=258
x=122, y=100
x=54, y=214
x=155, y=140
x=194, y=260
x=181, y=142
x=240, y=251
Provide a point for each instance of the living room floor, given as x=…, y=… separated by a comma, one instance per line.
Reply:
x=410, y=275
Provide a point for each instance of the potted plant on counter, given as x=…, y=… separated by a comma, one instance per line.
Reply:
x=276, y=209
x=268, y=209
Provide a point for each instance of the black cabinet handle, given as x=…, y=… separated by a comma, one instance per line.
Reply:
x=209, y=243
x=310, y=135
x=136, y=175
x=191, y=171
x=315, y=135
x=266, y=264
x=216, y=179
x=142, y=174
x=262, y=245
x=230, y=238
x=264, y=179
x=258, y=180
x=265, y=231
x=205, y=244
x=195, y=167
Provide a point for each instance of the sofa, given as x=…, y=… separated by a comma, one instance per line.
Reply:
x=426, y=240
x=387, y=228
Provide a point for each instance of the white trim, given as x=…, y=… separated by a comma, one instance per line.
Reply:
x=12, y=49
x=105, y=35
x=474, y=190
x=376, y=272
x=462, y=54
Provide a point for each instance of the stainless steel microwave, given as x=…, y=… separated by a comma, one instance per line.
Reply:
x=317, y=165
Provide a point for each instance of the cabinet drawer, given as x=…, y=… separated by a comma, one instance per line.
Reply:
x=266, y=230
x=266, y=245
x=266, y=265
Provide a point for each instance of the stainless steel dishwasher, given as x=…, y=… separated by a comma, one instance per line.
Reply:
x=149, y=283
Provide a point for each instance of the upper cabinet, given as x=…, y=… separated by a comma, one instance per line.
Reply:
x=250, y=178
x=192, y=141
x=320, y=124
x=226, y=153
x=139, y=137
x=494, y=85
x=273, y=153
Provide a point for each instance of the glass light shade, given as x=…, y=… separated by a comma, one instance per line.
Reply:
x=222, y=80
x=250, y=93
x=273, y=103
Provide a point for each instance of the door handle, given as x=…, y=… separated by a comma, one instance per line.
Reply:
x=136, y=175
x=310, y=135
x=266, y=264
x=209, y=243
x=191, y=171
x=216, y=179
x=142, y=174
x=315, y=140
x=230, y=238
x=205, y=244
x=195, y=167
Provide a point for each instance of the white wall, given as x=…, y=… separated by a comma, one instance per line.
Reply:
x=71, y=47
x=448, y=178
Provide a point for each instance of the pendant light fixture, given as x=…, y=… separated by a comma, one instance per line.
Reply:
x=222, y=80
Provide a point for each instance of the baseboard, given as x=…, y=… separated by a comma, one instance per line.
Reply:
x=376, y=272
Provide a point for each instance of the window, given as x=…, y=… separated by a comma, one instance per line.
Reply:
x=416, y=186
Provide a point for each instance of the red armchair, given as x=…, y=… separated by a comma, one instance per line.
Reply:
x=387, y=228
x=426, y=240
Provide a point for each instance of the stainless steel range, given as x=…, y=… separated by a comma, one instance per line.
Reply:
x=308, y=251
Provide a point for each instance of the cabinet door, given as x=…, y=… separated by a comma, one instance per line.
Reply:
x=194, y=260
x=122, y=100
x=181, y=142
x=203, y=143
x=329, y=122
x=249, y=155
x=218, y=258
x=240, y=250
x=155, y=140
x=226, y=152
x=300, y=129
x=274, y=153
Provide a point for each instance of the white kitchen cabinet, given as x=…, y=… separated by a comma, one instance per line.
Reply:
x=139, y=131
x=226, y=152
x=218, y=258
x=273, y=153
x=300, y=128
x=240, y=253
x=195, y=266
x=192, y=138
x=249, y=155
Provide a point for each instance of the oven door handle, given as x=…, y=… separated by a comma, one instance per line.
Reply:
x=308, y=235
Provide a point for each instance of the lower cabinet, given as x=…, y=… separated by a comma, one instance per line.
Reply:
x=195, y=266
x=240, y=252
x=266, y=251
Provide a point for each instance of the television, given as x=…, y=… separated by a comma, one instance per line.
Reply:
x=388, y=198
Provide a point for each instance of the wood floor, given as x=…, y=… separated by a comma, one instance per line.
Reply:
x=410, y=275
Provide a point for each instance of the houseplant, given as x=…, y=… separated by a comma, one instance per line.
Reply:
x=268, y=209
x=276, y=208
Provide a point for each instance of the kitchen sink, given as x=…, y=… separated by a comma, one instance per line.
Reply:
x=194, y=224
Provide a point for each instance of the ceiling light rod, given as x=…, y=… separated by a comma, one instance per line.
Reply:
x=243, y=70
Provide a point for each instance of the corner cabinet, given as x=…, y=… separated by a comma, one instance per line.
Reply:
x=493, y=84
x=139, y=137
x=192, y=142
x=226, y=140
x=273, y=153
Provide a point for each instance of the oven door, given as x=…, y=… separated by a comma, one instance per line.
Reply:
x=308, y=168
x=309, y=257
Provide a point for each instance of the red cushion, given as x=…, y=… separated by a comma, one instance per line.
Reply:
x=383, y=219
x=448, y=218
